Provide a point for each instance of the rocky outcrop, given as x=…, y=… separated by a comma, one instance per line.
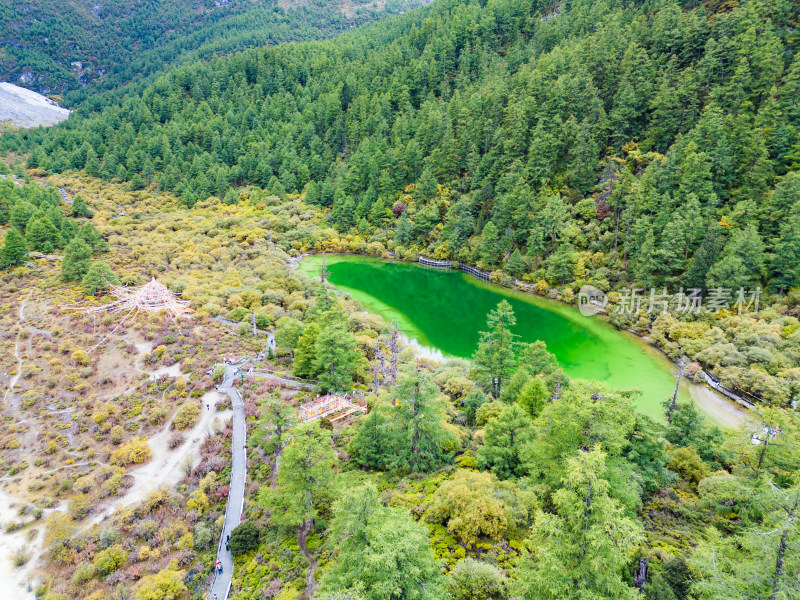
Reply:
x=24, y=108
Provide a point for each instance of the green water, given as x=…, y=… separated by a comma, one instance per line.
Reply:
x=445, y=310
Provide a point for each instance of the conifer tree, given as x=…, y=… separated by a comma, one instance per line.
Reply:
x=417, y=416
x=305, y=478
x=42, y=235
x=785, y=263
x=336, y=358
x=76, y=261
x=98, y=278
x=488, y=246
x=762, y=559
x=306, y=352
x=494, y=357
x=14, y=251
x=516, y=265
x=504, y=440
x=533, y=396
x=381, y=551
x=580, y=551
x=403, y=229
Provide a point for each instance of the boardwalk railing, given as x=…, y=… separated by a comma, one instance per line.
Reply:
x=715, y=384
x=449, y=264
x=476, y=272
x=439, y=264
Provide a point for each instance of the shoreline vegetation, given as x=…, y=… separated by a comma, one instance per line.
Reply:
x=730, y=414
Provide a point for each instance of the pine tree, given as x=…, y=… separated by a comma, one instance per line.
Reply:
x=504, y=440
x=646, y=261
x=370, y=446
x=761, y=560
x=89, y=234
x=305, y=478
x=537, y=360
x=489, y=245
x=561, y=265
x=581, y=550
x=76, y=261
x=14, y=251
x=742, y=262
x=42, y=235
x=533, y=396
x=785, y=264
x=92, y=165
x=98, y=278
x=494, y=357
x=426, y=186
x=516, y=264
x=383, y=552
x=403, y=229
x=305, y=354
x=336, y=358
x=417, y=416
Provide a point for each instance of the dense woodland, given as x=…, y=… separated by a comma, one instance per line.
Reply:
x=63, y=47
x=622, y=145
x=650, y=143
x=640, y=144
x=470, y=479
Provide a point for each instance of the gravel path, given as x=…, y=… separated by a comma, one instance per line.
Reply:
x=233, y=512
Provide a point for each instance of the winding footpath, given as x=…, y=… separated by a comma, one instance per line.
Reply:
x=17, y=353
x=221, y=584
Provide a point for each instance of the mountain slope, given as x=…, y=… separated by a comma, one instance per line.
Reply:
x=59, y=47
x=616, y=144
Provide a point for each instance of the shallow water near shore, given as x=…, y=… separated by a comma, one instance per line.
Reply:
x=445, y=311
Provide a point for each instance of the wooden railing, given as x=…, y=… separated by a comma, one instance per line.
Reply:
x=438, y=264
x=476, y=272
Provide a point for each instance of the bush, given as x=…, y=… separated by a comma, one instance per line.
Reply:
x=109, y=560
x=488, y=411
x=115, y=435
x=165, y=585
x=245, y=538
x=79, y=506
x=107, y=538
x=238, y=313
x=202, y=536
x=475, y=580
x=20, y=556
x=135, y=451
x=186, y=416
x=218, y=374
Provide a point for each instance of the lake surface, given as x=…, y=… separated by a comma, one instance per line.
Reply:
x=444, y=311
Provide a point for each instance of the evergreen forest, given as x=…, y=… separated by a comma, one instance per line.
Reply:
x=624, y=145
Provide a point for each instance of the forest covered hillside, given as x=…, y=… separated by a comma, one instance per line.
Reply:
x=60, y=47
x=654, y=143
x=624, y=145
x=650, y=145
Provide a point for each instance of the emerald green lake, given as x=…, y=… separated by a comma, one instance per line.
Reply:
x=444, y=311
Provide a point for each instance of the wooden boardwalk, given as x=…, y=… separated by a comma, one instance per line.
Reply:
x=437, y=264
x=716, y=385
x=476, y=272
